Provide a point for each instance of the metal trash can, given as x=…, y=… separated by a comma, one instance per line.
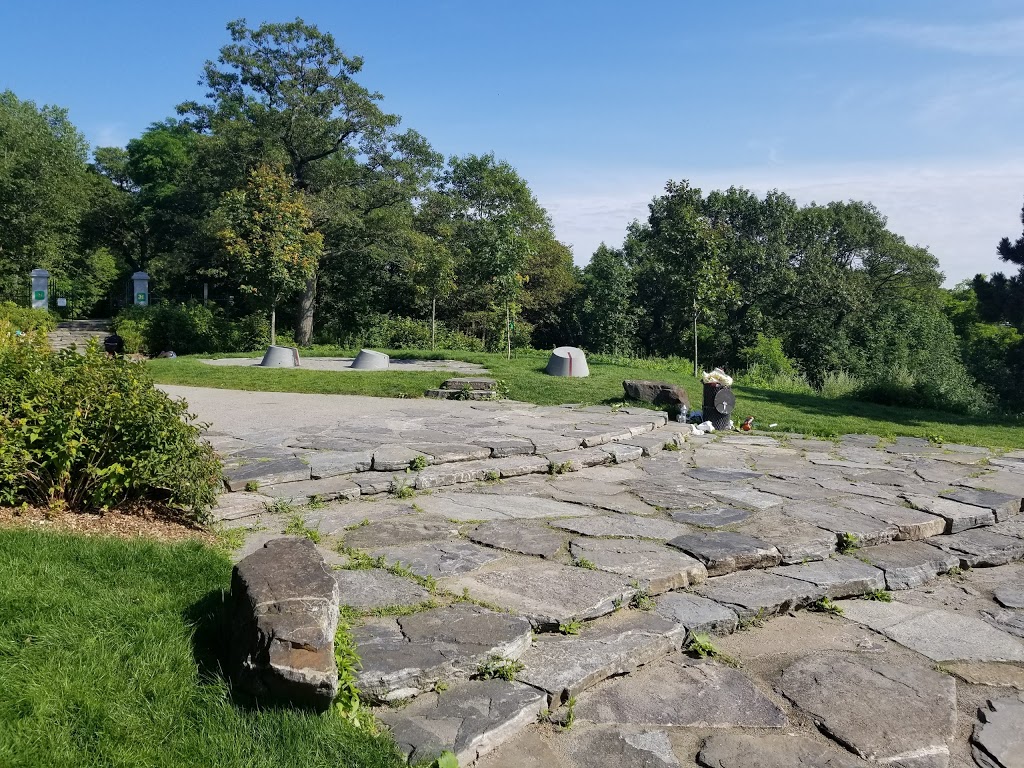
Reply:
x=719, y=402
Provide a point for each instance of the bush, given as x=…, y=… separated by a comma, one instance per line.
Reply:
x=387, y=332
x=27, y=319
x=190, y=329
x=91, y=432
x=767, y=355
x=836, y=384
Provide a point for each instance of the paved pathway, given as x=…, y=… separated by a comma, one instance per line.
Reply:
x=592, y=545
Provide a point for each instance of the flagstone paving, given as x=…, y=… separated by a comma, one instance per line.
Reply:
x=604, y=548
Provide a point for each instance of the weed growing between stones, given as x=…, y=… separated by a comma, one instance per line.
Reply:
x=671, y=446
x=700, y=645
x=499, y=667
x=847, y=542
x=252, y=486
x=571, y=628
x=824, y=605
x=297, y=527
x=347, y=703
x=418, y=464
x=642, y=601
x=280, y=507
x=229, y=539
x=879, y=595
x=316, y=501
x=445, y=760
x=361, y=524
x=358, y=560
x=400, y=489
x=559, y=469
x=492, y=476
x=749, y=622
x=956, y=570
x=582, y=562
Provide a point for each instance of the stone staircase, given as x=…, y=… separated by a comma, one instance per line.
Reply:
x=466, y=389
x=78, y=333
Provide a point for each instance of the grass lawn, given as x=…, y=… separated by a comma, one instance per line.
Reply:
x=525, y=377
x=99, y=665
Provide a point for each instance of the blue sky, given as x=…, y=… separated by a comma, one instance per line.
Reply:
x=916, y=106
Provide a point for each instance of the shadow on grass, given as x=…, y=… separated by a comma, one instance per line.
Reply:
x=845, y=407
x=210, y=620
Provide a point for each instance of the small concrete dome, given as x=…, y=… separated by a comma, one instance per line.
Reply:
x=281, y=357
x=369, y=360
x=568, y=361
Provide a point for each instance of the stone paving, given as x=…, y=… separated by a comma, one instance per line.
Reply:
x=591, y=546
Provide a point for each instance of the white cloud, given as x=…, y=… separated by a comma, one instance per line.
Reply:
x=958, y=211
x=994, y=38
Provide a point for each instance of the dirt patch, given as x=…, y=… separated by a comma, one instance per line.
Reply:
x=124, y=524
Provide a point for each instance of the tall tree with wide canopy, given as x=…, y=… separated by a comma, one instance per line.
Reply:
x=291, y=88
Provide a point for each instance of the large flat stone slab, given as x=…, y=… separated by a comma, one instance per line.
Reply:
x=548, y=594
x=373, y=588
x=749, y=498
x=939, y=635
x=842, y=521
x=696, y=614
x=998, y=740
x=1010, y=595
x=1002, y=505
x=323, y=464
x=724, y=552
x=566, y=666
x=676, y=693
x=981, y=547
x=469, y=719
x=613, y=747
x=574, y=461
x=516, y=536
x=900, y=715
x=797, y=540
x=740, y=750
x=911, y=524
x=838, y=576
x=407, y=529
x=1008, y=621
x=306, y=491
x=393, y=458
x=958, y=516
x=909, y=564
x=445, y=453
x=623, y=526
x=757, y=594
x=439, y=558
x=281, y=470
x=469, y=507
x=654, y=567
x=408, y=656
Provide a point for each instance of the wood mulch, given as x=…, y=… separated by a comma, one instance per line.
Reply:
x=125, y=524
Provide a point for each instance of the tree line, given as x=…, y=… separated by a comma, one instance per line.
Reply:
x=290, y=192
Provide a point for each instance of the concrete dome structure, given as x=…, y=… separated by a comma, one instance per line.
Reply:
x=369, y=360
x=281, y=357
x=567, y=361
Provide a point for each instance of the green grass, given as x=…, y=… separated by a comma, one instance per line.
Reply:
x=106, y=660
x=791, y=412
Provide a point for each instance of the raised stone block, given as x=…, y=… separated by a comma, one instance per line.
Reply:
x=697, y=614
x=260, y=473
x=305, y=491
x=623, y=526
x=839, y=576
x=909, y=564
x=370, y=588
x=1002, y=505
x=724, y=552
x=981, y=547
x=958, y=516
x=741, y=750
x=998, y=739
x=760, y=594
x=566, y=666
x=284, y=613
x=654, y=567
x=519, y=537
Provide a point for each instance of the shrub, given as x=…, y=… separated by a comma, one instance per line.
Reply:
x=27, y=319
x=250, y=333
x=91, y=432
x=386, y=332
x=838, y=384
x=767, y=355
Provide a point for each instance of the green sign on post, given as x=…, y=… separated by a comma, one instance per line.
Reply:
x=38, y=295
x=140, y=298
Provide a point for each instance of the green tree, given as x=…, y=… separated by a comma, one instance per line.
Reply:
x=44, y=188
x=607, y=313
x=287, y=92
x=268, y=238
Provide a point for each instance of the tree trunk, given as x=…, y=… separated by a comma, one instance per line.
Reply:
x=304, y=327
x=508, y=330
x=695, y=345
x=273, y=324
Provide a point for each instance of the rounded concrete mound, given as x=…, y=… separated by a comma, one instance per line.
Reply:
x=281, y=357
x=369, y=360
x=567, y=361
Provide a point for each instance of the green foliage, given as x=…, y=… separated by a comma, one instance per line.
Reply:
x=419, y=464
x=824, y=605
x=582, y=562
x=766, y=353
x=642, y=600
x=701, y=646
x=114, y=643
x=878, y=595
x=92, y=432
x=400, y=333
x=607, y=314
x=297, y=527
x=400, y=489
x=573, y=627
x=847, y=542
x=347, y=703
x=499, y=667
x=26, y=319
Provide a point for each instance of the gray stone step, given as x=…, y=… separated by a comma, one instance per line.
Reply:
x=459, y=394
